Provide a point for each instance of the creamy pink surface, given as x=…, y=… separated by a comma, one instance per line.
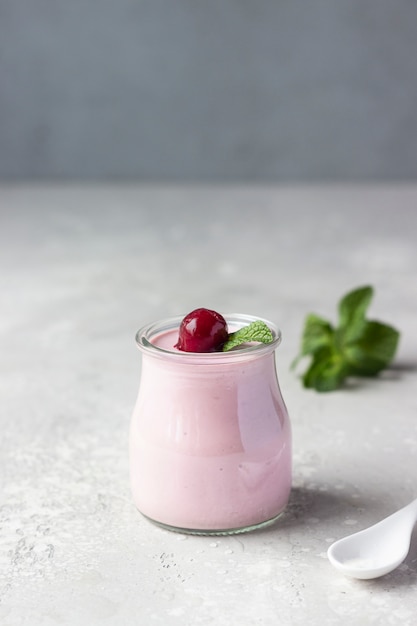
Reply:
x=210, y=445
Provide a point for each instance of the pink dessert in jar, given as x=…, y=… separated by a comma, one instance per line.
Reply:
x=210, y=437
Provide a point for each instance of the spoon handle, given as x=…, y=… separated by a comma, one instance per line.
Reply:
x=407, y=514
x=410, y=510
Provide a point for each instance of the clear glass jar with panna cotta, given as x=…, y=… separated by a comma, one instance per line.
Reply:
x=210, y=436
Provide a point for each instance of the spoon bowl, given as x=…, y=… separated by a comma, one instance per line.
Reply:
x=377, y=550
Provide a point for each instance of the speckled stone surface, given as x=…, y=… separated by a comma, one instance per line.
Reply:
x=81, y=268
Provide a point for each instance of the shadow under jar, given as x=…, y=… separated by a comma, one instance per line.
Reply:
x=210, y=437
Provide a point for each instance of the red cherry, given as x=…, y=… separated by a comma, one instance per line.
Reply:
x=202, y=330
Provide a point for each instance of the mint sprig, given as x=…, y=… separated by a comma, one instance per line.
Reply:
x=256, y=331
x=356, y=347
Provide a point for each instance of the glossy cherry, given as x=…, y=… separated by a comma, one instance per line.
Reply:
x=202, y=330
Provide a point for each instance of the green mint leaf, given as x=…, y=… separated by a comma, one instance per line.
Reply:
x=354, y=304
x=357, y=347
x=352, y=310
x=317, y=334
x=256, y=331
x=327, y=371
x=373, y=350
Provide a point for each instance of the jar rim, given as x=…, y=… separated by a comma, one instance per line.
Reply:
x=145, y=334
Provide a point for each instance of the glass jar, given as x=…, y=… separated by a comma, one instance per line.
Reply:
x=210, y=437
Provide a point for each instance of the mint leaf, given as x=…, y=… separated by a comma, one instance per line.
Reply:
x=317, y=334
x=353, y=306
x=356, y=347
x=373, y=350
x=256, y=331
x=327, y=371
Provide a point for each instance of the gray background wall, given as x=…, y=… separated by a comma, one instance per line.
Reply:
x=257, y=90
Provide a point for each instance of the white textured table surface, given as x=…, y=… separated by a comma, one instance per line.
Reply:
x=81, y=270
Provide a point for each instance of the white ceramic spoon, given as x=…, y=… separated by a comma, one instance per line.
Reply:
x=377, y=550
